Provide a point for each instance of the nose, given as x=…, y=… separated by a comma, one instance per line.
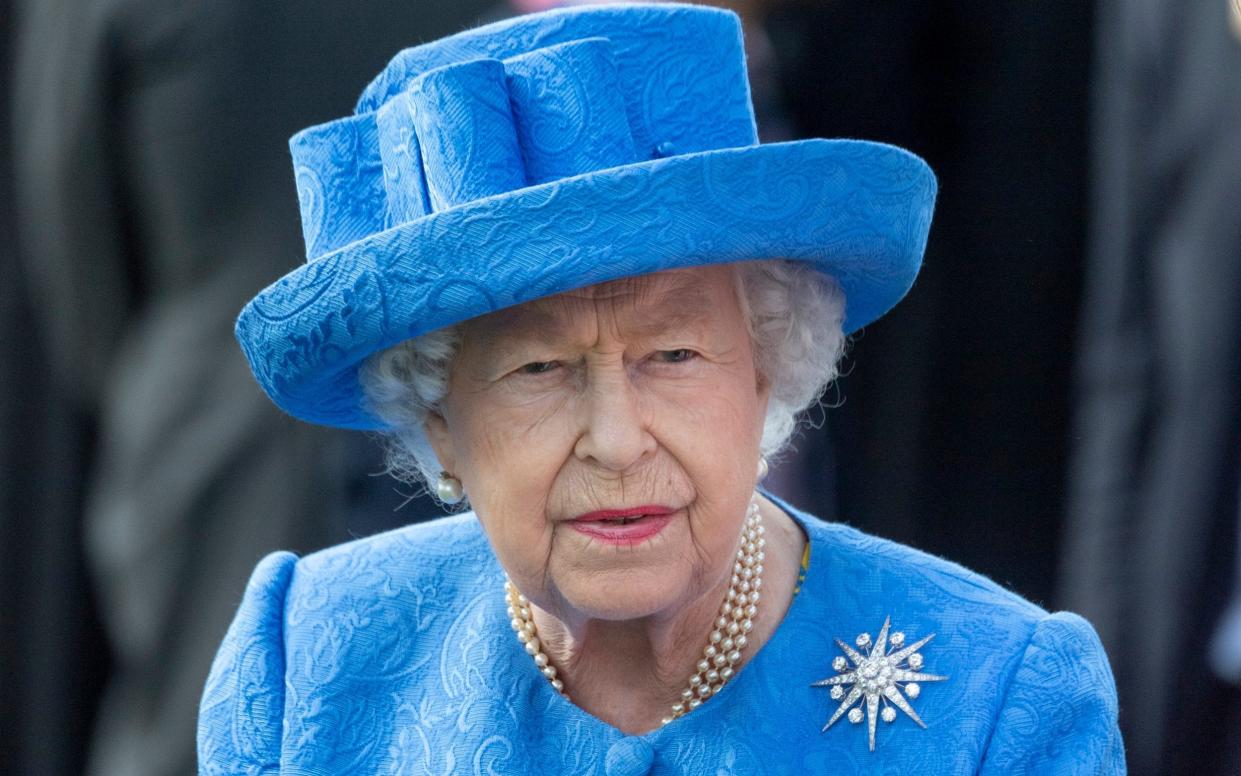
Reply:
x=614, y=432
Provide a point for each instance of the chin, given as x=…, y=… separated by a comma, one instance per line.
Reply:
x=622, y=594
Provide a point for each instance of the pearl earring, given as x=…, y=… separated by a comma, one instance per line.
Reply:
x=762, y=467
x=448, y=488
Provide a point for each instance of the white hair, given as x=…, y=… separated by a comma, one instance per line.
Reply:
x=794, y=314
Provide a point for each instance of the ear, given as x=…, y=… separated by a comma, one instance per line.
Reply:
x=438, y=434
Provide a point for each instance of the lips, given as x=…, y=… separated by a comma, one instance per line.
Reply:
x=629, y=526
x=618, y=515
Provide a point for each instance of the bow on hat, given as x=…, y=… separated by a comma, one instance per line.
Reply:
x=487, y=126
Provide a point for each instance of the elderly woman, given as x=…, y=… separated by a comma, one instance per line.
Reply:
x=550, y=260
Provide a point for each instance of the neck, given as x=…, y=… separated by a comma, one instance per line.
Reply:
x=629, y=673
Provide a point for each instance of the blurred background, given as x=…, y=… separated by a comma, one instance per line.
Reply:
x=1057, y=404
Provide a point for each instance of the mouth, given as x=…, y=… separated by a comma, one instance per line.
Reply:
x=623, y=516
x=628, y=526
x=618, y=520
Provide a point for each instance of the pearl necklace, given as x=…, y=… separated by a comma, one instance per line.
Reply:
x=724, y=646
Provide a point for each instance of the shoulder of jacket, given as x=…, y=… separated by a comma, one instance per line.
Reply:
x=919, y=569
x=444, y=548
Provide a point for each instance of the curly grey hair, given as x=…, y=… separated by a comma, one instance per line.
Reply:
x=794, y=314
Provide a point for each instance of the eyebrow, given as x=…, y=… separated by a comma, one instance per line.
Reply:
x=680, y=305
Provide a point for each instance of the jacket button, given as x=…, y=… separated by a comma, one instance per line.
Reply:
x=629, y=756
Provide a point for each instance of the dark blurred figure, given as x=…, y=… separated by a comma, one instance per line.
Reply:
x=953, y=427
x=155, y=196
x=35, y=437
x=1153, y=514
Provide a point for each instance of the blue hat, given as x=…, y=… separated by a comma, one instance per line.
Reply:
x=551, y=152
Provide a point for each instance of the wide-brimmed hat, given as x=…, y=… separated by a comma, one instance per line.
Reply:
x=550, y=152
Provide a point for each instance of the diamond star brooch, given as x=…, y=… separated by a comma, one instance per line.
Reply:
x=878, y=677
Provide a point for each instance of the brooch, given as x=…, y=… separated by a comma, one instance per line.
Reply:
x=879, y=677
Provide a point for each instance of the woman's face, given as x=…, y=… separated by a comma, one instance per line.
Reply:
x=639, y=396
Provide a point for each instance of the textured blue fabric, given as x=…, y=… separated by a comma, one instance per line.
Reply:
x=393, y=654
x=547, y=153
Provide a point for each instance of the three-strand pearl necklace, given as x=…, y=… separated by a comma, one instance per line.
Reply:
x=728, y=638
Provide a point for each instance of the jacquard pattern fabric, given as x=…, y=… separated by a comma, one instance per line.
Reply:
x=551, y=152
x=394, y=655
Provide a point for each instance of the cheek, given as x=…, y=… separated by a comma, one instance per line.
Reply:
x=508, y=463
x=718, y=420
x=713, y=435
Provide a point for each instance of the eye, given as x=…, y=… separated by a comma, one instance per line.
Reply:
x=537, y=367
x=678, y=356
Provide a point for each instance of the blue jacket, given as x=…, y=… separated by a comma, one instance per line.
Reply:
x=393, y=654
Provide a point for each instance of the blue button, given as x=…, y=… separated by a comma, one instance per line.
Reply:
x=629, y=757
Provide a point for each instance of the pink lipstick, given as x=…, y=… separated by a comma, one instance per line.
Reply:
x=629, y=526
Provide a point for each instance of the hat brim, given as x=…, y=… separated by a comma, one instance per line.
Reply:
x=858, y=211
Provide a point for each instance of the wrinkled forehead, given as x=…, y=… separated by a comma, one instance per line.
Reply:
x=695, y=296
